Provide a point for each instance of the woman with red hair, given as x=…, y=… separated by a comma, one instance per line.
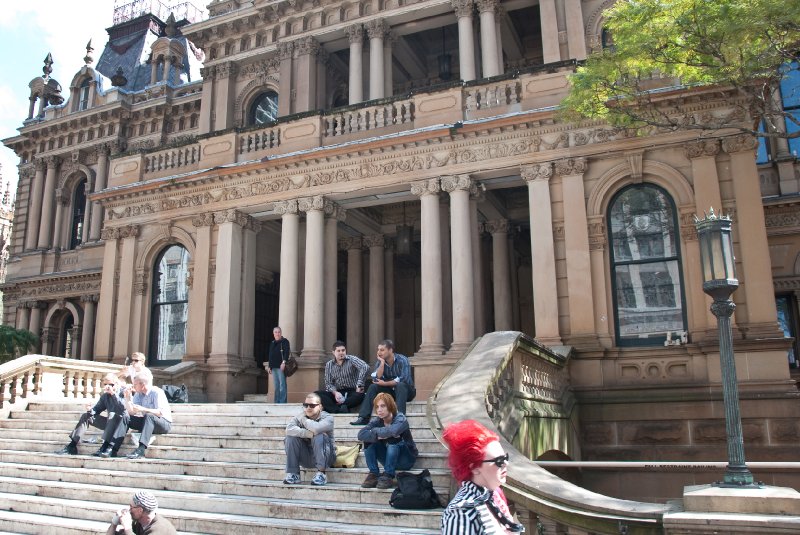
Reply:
x=479, y=463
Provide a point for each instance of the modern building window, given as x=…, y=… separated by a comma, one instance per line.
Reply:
x=78, y=213
x=645, y=266
x=83, y=95
x=170, y=306
x=264, y=109
x=788, y=321
x=790, y=93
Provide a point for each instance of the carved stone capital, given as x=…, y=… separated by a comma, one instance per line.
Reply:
x=129, y=231
x=462, y=8
x=285, y=50
x=723, y=309
x=26, y=172
x=597, y=234
x=453, y=183
x=497, y=226
x=109, y=233
x=310, y=204
x=355, y=33
x=52, y=161
x=426, y=187
x=102, y=150
x=570, y=166
x=487, y=5
x=539, y=171
x=39, y=164
x=285, y=207
x=205, y=219
x=740, y=143
x=701, y=148
x=90, y=298
x=307, y=46
x=377, y=28
x=345, y=244
x=238, y=218
x=374, y=240
x=62, y=196
x=226, y=70
x=140, y=282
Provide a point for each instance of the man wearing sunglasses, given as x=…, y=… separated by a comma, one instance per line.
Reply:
x=309, y=442
x=141, y=518
x=112, y=402
x=136, y=363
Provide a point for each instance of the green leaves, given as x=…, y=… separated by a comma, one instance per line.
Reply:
x=15, y=342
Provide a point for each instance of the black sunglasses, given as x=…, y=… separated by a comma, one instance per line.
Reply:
x=310, y=405
x=498, y=461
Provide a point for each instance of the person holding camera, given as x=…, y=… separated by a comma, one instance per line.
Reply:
x=111, y=402
x=141, y=518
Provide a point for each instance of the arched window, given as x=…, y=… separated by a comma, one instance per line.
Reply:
x=170, y=306
x=83, y=95
x=645, y=266
x=78, y=213
x=264, y=109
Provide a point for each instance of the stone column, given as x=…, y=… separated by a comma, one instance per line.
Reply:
x=314, y=290
x=250, y=228
x=87, y=217
x=597, y=247
x=333, y=214
x=36, y=316
x=153, y=71
x=545, y=292
x=290, y=265
x=499, y=14
x=755, y=277
x=62, y=200
x=377, y=297
x=576, y=37
x=47, y=340
x=376, y=30
x=125, y=291
x=551, y=50
x=48, y=200
x=35, y=206
x=487, y=8
x=307, y=51
x=388, y=276
x=388, y=71
x=431, y=266
x=285, y=52
x=199, y=289
x=355, y=34
x=225, y=95
x=23, y=316
x=167, y=68
x=89, y=308
x=478, y=279
x=576, y=241
x=104, y=328
x=355, y=298
x=466, y=38
x=503, y=320
x=99, y=185
x=459, y=188
x=447, y=269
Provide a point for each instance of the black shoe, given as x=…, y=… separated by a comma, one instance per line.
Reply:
x=361, y=420
x=104, y=451
x=69, y=449
x=138, y=453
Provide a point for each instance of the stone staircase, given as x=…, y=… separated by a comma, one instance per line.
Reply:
x=219, y=471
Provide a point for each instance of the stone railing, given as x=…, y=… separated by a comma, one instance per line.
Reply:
x=493, y=95
x=368, y=117
x=519, y=388
x=40, y=376
x=258, y=140
x=175, y=160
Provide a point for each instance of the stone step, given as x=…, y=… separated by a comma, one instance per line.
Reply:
x=122, y=468
x=270, y=471
x=98, y=502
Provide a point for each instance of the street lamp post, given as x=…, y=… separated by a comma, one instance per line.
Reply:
x=719, y=281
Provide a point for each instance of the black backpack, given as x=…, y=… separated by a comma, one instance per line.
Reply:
x=414, y=491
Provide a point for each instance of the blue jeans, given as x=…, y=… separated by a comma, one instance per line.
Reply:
x=392, y=456
x=279, y=381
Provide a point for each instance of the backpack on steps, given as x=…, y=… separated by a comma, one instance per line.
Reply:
x=414, y=491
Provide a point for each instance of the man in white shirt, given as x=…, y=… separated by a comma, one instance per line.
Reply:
x=148, y=409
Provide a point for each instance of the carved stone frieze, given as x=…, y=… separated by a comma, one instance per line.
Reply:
x=782, y=218
x=570, y=166
x=539, y=171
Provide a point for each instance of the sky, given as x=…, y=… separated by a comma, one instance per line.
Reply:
x=28, y=31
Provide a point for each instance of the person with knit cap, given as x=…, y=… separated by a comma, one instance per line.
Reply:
x=141, y=518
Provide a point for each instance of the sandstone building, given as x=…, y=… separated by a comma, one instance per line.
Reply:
x=396, y=168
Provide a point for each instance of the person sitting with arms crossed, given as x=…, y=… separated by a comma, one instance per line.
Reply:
x=309, y=442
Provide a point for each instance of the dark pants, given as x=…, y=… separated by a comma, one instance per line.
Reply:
x=149, y=425
x=401, y=393
x=329, y=404
x=112, y=434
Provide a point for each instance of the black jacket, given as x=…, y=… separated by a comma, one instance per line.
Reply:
x=278, y=352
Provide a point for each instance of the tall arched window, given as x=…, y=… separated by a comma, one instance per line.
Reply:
x=83, y=95
x=645, y=266
x=264, y=109
x=78, y=213
x=170, y=306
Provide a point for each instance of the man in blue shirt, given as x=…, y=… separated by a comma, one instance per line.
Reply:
x=392, y=375
x=148, y=411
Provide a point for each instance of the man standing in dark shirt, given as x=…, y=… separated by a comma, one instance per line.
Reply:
x=279, y=351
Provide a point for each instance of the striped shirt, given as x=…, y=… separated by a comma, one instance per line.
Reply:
x=472, y=511
x=350, y=374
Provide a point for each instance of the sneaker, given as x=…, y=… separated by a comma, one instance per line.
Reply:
x=69, y=449
x=386, y=481
x=320, y=479
x=361, y=420
x=370, y=482
x=291, y=479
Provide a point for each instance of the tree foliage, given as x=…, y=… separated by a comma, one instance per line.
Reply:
x=744, y=48
x=15, y=342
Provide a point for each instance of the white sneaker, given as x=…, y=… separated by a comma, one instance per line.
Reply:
x=291, y=479
x=320, y=479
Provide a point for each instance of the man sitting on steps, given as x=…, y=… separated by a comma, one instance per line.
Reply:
x=149, y=411
x=392, y=375
x=141, y=518
x=344, y=380
x=309, y=442
x=112, y=402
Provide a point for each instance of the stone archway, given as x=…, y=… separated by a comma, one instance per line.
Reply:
x=61, y=334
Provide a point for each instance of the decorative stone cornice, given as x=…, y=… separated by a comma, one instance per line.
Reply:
x=739, y=143
x=701, y=148
x=345, y=244
x=451, y=183
x=539, y=171
x=570, y=166
x=462, y=8
x=377, y=28
x=497, y=226
x=286, y=207
x=355, y=33
x=426, y=187
x=310, y=204
x=374, y=240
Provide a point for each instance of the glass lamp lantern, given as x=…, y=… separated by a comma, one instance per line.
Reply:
x=714, y=233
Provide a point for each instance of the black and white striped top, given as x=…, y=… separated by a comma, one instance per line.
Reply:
x=350, y=374
x=473, y=512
